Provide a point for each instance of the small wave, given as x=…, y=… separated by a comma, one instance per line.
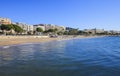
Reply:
x=6, y=47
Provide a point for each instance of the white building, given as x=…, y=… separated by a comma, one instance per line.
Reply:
x=94, y=31
x=60, y=28
x=26, y=28
x=49, y=26
x=52, y=26
x=30, y=28
x=39, y=26
x=46, y=27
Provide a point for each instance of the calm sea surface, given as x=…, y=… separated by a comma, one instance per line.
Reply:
x=80, y=57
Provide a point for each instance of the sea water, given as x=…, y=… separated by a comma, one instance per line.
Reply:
x=77, y=57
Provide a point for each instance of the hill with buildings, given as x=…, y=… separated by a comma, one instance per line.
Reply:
x=48, y=29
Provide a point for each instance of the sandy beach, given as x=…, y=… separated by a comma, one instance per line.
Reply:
x=12, y=40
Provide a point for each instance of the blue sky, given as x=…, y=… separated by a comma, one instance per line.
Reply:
x=103, y=14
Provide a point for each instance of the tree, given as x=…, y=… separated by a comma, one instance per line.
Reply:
x=73, y=32
x=17, y=29
x=50, y=30
x=66, y=33
x=60, y=33
x=80, y=32
x=7, y=27
x=39, y=29
x=55, y=30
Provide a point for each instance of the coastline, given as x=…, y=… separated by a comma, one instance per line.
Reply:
x=13, y=40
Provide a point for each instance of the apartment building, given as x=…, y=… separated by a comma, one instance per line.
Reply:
x=39, y=26
x=46, y=27
x=26, y=28
x=94, y=31
x=5, y=21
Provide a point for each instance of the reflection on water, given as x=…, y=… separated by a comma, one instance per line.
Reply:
x=82, y=57
x=26, y=52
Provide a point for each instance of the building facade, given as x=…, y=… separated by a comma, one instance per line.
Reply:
x=94, y=31
x=69, y=28
x=60, y=28
x=26, y=28
x=49, y=26
x=30, y=28
x=52, y=26
x=5, y=21
x=46, y=27
x=42, y=26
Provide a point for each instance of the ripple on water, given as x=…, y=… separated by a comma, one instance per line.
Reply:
x=81, y=57
x=6, y=47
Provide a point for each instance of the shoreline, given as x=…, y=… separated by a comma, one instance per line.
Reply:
x=13, y=40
